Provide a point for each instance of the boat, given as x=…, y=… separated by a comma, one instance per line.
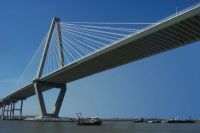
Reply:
x=180, y=121
x=176, y=120
x=154, y=121
x=140, y=120
x=88, y=121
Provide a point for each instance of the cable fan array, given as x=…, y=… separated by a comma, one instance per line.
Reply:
x=79, y=40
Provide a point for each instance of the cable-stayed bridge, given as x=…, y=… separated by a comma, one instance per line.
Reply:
x=73, y=50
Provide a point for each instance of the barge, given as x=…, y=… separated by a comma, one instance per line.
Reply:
x=88, y=121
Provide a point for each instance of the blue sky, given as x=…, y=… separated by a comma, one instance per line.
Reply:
x=165, y=85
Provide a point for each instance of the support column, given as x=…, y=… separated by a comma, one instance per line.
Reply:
x=59, y=100
x=7, y=111
x=3, y=112
x=40, y=100
x=1, y=108
x=11, y=110
x=21, y=107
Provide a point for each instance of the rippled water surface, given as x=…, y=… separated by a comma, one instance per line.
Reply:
x=107, y=127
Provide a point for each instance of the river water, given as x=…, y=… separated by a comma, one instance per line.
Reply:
x=107, y=127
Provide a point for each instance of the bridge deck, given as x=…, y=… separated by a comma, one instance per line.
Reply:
x=172, y=33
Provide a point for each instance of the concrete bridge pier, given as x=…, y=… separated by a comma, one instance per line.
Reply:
x=5, y=111
x=14, y=109
x=1, y=109
x=2, y=112
x=21, y=107
x=8, y=110
x=39, y=88
x=12, y=112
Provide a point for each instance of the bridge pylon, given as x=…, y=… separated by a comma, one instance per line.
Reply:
x=41, y=86
x=55, y=24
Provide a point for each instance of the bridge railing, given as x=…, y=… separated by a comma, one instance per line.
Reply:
x=171, y=16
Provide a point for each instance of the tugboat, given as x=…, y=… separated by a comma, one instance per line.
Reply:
x=88, y=121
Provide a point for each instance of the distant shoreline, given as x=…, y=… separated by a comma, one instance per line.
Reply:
x=134, y=120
